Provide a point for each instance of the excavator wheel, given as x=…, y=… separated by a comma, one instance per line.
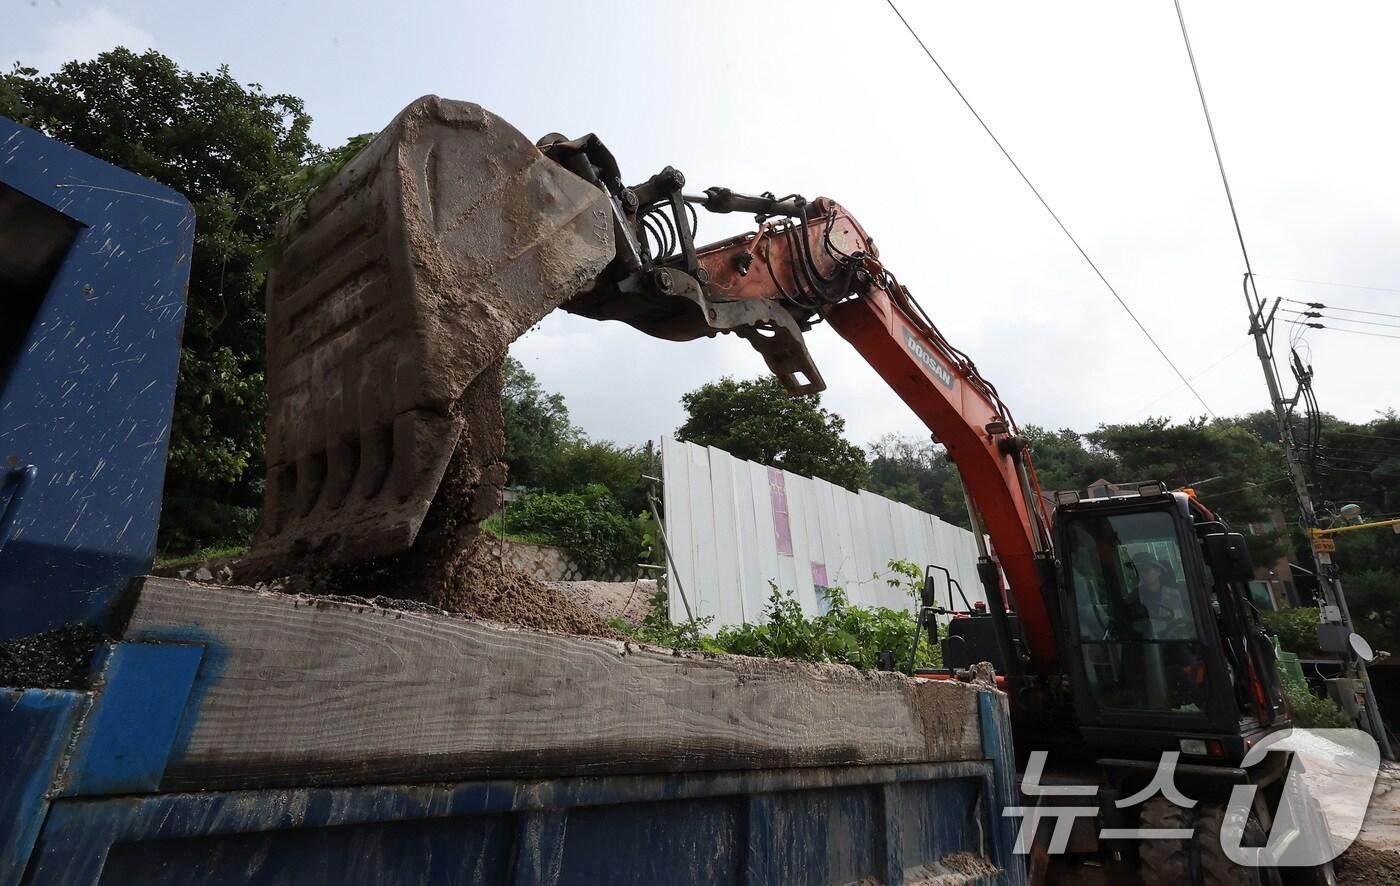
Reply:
x=1216, y=867
x=1322, y=875
x=1166, y=862
x=1201, y=861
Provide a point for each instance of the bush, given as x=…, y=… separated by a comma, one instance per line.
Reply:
x=844, y=634
x=191, y=523
x=1312, y=712
x=589, y=524
x=1295, y=628
x=575, y=463
x=657, y=629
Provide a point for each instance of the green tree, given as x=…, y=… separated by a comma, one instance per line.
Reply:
x=1369, y=560
x=536, y=424
x=1234, y=469
x=1358, y=463
x=588, y=523
x=576, y=463
x=918, y=473
x=1063, y=461
x=234, y=151
x=1372, y=596
x=760, y=421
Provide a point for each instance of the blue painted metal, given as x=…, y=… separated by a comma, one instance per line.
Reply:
x=87, y=401
x=128, y=735
x=775, y=826
x=995, y=717
x=16, y=482
x=780, y=826
x=35, y=725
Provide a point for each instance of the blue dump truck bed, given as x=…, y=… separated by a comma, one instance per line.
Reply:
x=240, y=735
x=229, y=735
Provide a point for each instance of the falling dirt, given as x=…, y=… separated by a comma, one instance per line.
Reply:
x=449, y=566
x=448, y=237
x=482, y=587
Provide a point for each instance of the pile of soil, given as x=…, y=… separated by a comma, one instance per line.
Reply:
x=481, y=586
x=471, y=581
x=57, y=659
x=629, y=601
x=1363, y=866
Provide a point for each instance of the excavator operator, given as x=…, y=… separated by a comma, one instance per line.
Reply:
x=1163, y=609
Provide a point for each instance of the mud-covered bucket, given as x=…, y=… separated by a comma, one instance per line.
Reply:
x=399, y=288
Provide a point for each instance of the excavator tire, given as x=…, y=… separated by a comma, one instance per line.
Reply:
x=1200, y=861
x=1166, y=862
x=1216, y=867
x=399, y=283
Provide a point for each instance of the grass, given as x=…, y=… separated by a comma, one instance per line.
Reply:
x=495, y=524
x=173, y=561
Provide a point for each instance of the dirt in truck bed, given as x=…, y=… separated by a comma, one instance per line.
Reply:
x=57, y=659
x=449, y=566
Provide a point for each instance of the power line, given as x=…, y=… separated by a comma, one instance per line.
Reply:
x=1283, y=479
x=1036, y=191
x=1325, y=283
x=1319, y=306
x=1335, y=459
x=1363, y=435
x=1318, y=315
x=1139, y=409
x=1336, y=329
x=1215, y=146
x=1344, y=449
x=1361, y=322
x=1330, y=588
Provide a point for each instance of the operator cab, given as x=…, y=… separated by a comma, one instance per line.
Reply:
x=1162, y=645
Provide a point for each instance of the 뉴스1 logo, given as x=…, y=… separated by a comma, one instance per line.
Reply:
x=925, y=356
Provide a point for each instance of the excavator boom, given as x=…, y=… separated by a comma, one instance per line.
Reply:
x=404, y=281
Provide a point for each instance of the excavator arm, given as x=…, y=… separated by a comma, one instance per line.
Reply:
x=405, y=279
x=809, y=262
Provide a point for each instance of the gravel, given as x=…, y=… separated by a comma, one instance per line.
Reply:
x=57, y=659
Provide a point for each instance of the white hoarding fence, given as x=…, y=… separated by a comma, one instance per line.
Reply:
x=734, y=526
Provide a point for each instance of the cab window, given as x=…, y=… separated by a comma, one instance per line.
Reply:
x=1138, y=635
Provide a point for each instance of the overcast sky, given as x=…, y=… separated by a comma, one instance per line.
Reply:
x=1094, y=99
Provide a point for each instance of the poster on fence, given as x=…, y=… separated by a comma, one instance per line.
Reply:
x=737, y=527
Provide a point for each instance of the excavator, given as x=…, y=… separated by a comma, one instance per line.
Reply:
x=1119, y=624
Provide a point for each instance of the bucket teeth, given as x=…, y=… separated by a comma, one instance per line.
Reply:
x=401, y=281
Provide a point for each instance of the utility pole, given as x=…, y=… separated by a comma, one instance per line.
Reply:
x=1334, y=610
x=1335, y=617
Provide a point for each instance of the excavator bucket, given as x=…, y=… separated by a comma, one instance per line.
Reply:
x=398, y=290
